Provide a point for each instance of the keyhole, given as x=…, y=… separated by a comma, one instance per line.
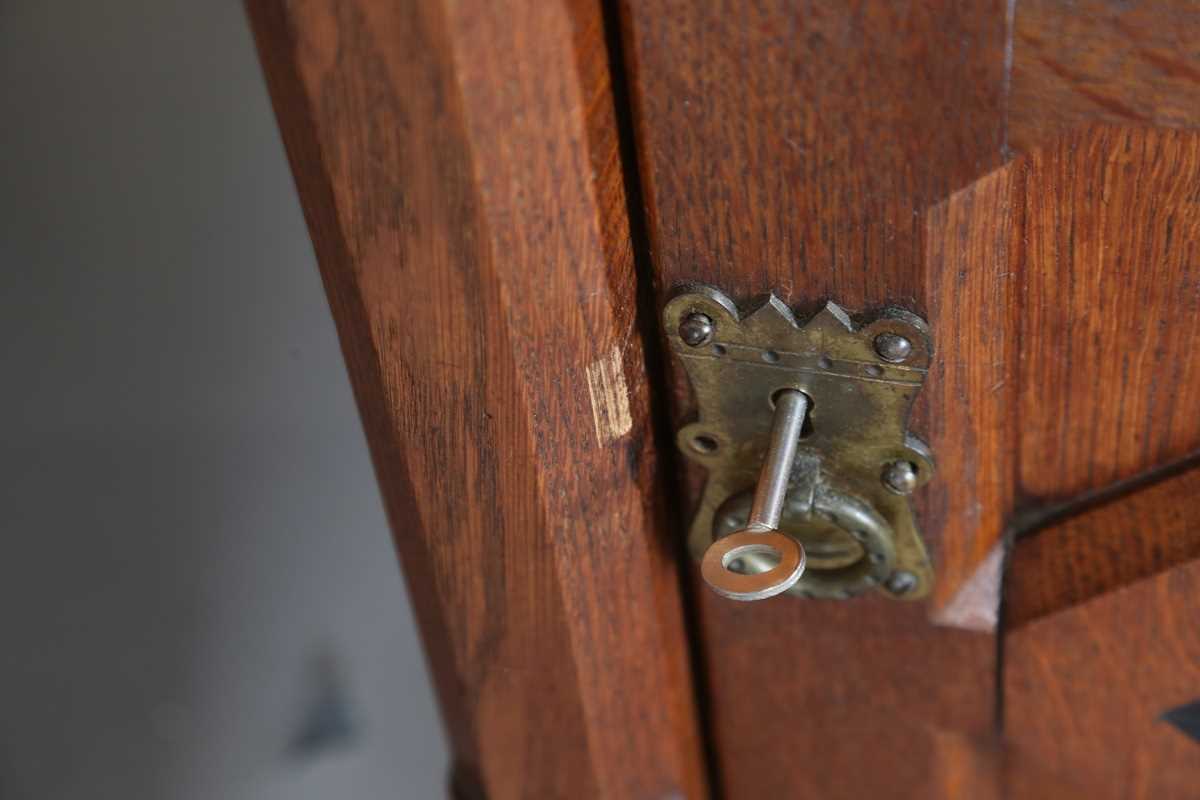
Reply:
x=806, y=427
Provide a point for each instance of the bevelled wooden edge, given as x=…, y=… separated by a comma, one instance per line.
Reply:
x=458, y=168
x=972, y=261
x=1129, y=537
x=1059, y=298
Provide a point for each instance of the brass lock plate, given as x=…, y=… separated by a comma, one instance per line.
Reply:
x=847, y=494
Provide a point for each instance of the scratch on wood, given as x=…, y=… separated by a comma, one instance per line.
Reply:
x=610, y=398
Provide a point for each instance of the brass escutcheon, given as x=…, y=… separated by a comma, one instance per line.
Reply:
x=847, y=492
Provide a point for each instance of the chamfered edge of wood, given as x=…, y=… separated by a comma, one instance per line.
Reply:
x=1124, y=539
x=456, y=167
x=1059, y=290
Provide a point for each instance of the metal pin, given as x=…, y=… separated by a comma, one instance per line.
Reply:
x=760, y=536
x=790, y=409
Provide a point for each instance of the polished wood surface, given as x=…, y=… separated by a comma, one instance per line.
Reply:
x=791, y=145
x=459, y=171
x=1110, y=314
x=973, y=244
x=1080, y=61
x=1086, y=689
x=1071, y=317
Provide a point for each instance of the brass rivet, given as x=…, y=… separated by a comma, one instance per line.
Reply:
x=901, y=582
x=900, y=477
x=696, y=329
x=893, y=347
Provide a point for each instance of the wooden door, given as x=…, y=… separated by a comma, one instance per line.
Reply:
x=502, y=196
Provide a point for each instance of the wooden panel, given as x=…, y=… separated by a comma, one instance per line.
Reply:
x=1130, y=537
x=1111, y=304
x=824, y=151
x=805, y=695
x=1086, y=689
x=1065, y=299
x=1081, y=61
x=1102, y=301
x=794, y=146
x=458, y=168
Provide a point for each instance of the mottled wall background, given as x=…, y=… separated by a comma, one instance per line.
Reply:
x=198, y=596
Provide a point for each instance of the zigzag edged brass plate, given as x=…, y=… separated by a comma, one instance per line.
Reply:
x=847, y=494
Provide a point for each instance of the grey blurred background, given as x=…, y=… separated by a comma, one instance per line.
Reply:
x=198, y=594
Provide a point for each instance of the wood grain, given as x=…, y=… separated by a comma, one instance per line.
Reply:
x=1111, y=283
x=1076, y=62
x=1128, y=538
x=805, y=694
x=1065, y=288
x=1086, y=688
x=973, y=244
x=1070, y=279
x=794, y=147
x=459, y=171
x=842, y=151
